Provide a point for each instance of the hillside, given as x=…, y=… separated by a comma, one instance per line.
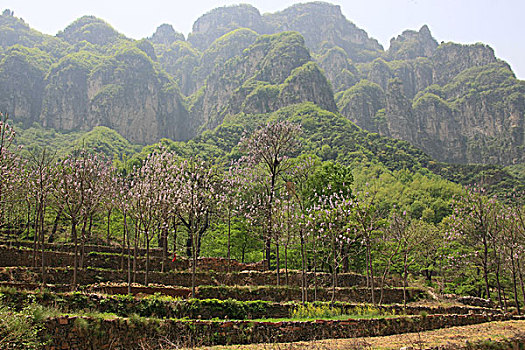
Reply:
x=458, y=103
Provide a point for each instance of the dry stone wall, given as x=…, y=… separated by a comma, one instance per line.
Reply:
x=89, y=333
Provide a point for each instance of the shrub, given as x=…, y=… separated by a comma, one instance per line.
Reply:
x=19, y=330
x=312, y=311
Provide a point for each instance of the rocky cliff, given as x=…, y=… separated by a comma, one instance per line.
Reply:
x=100, y=78
x=459, y=103
x=275, y=71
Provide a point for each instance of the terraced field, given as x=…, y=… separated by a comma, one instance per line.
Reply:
x=239, y=307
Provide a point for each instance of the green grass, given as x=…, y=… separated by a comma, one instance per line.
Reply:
x=332, y=318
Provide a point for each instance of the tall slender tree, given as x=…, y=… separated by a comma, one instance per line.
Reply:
x=269, y=148
x=198, y=191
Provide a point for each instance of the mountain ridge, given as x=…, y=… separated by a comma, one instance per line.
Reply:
x=459, y=103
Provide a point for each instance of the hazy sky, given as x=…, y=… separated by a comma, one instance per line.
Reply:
x=499, y=23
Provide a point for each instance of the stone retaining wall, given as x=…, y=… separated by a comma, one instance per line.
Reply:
x=88, y=333
x=23, y=256
x=280, y=294
x=70, y=247
x=177, y=278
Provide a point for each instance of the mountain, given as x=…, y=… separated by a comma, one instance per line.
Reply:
x=275, y=71
x=458, y=103
x=97, y=77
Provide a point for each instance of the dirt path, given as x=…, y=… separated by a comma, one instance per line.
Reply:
x=453, y=337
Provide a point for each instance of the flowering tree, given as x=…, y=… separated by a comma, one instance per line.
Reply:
x=299, y=191
x=197, y=186
x=41, y=171
x=122, y=200
x=499, y=225
x=512, y=241
x=148, y=194
x=519, y=214
x=76, y=186
x=269, y=147
x=331, y=218
x=8, y=163
x=284, y=227
x=230, y=199
x=97, y=174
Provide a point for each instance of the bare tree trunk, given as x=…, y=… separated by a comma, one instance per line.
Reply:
x=164, y=247
x=506, y=306
x=51, y=238
x=303, y=270
x=147, y=258
x=123, y=244
x=126, y=234
x=278, y=262
x=315, y=271
x=28, y=218
x=520, y=274
x=370, y=267
x=42, y=235
x=89, y=235
x=497, y=278
x=268, y=252
x=83, y=243
x=485, y=267
x=135, y=248
x=35, y=237
x=405, y=279
x=175, y=226
x=514, y=281
x=75, y=257
x=287, y=281
x=367, y=270
x=243, y=248
x=228, y=254
x=108, y=233
x=193, y=265
x=334, y=270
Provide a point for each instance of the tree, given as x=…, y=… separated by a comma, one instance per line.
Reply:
x=471, y=226
x=408, y=235
x=331, y=217
x=389, y=245
x=369, y=223
x=197, y=185
x=8, y=163
x=76, y=186
x=512, y=242
x=148, y=194
x=269, y=147
x=42, y=171
x=299, y=188
x=233, y=184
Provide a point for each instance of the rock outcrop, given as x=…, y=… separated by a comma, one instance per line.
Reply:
x=123, y=92
x=275, y=71
x=166, y=35
x=411, y=44
x=222, y=20
x=458, y=103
